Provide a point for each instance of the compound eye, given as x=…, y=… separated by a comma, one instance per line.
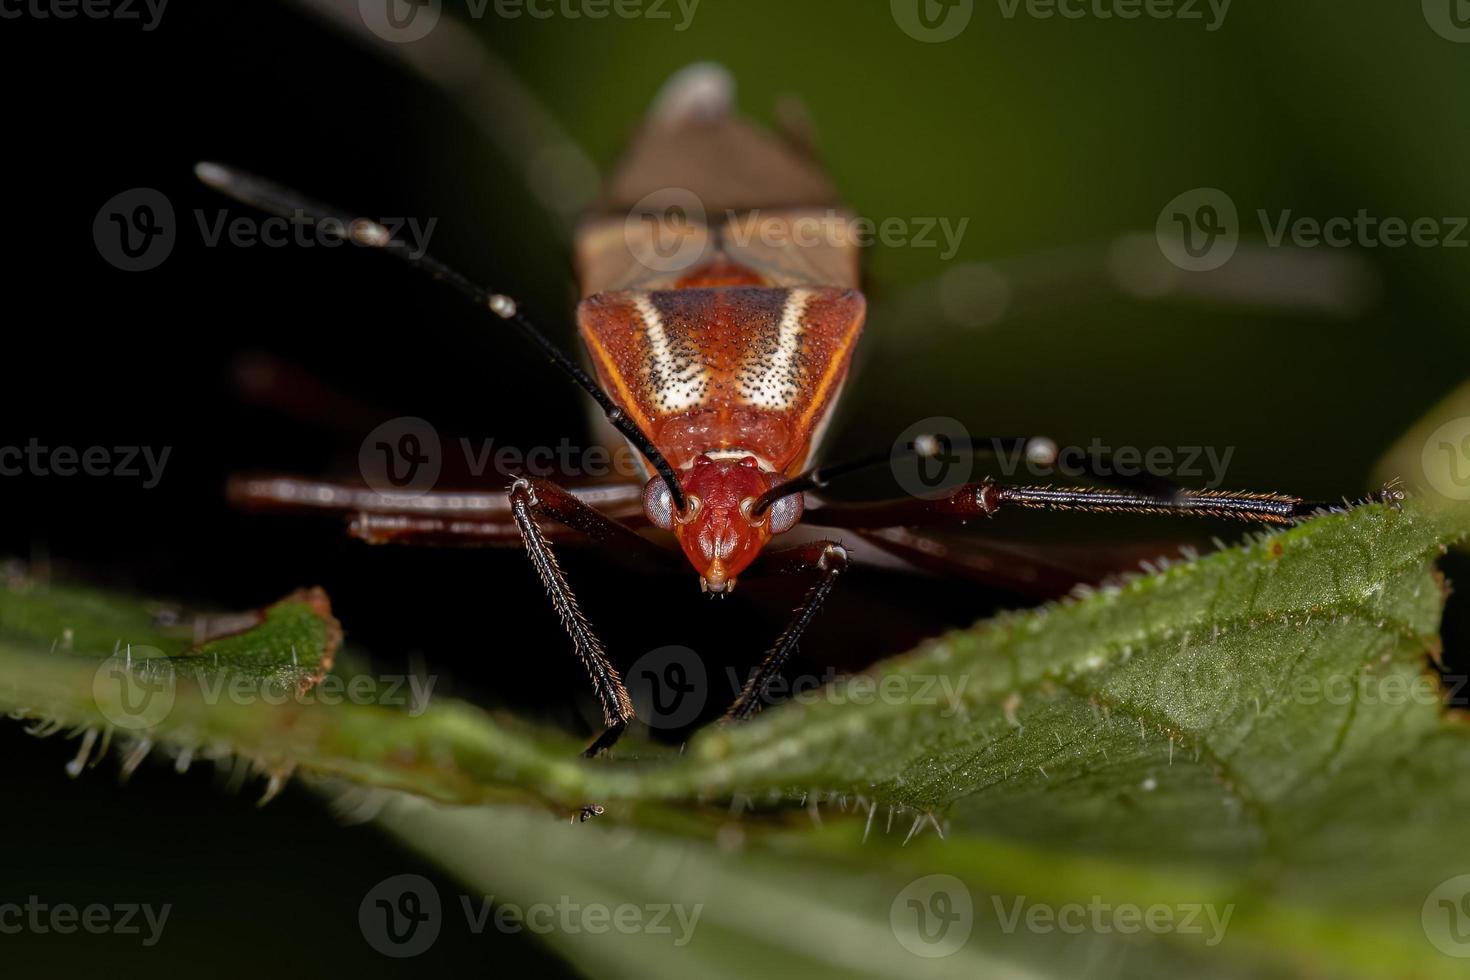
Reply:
x=658, y=503
x=784, y=512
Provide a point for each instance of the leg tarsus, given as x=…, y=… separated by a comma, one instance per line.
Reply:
x=605, y=741
x=617, y=706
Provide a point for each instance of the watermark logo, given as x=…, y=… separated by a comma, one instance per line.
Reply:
x=673, y=919
x=134, y=689
x=137, y=688
x=149, y=13
x=933, y=916
x=935, y=457
x=402, y=456
x=143, y=463
x=64, y=919
x=1450, y=19
x=932, y=457
x=1366, y=687
x=406, y=21
x=945, y=692
x=412, y=691
x=669, y=687
x=834, y=228
x=1446, y=459
x=1199, y=230
x=932, y=21
x=135, y=231
x=400, y=21
x=401, y=916
x=1209, y=12
x=1099, y=916
x=667, y=230
x=1446, y=916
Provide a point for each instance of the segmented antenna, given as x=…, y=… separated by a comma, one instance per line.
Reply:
x=275, y=199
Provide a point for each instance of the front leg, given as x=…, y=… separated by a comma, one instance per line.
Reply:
x=829, y=560
x=525, y=505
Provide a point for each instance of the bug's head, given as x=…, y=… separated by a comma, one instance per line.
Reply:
x=718, y=529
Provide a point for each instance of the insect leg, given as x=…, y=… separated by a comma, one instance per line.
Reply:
x=439, y=518
x=984, y=499
x=829, y=560
x=526, y=503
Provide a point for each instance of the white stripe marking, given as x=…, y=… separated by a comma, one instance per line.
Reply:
x=673, y=388
x=773, y=380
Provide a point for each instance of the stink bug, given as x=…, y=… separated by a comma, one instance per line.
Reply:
x=719, y=342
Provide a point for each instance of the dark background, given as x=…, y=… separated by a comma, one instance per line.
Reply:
x=1051, y=136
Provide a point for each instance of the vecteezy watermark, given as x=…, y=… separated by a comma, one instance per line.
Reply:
x=137, y=688
x=1096, y=459
x=1445, y=459
x=406, y=21
x=838, y=229
x=1101, y=917
x=932, y=21
x=1210, y=13
x=137, y=230
x=942, y=691
x=670, y=687
x=1445, y=916
x=668, y=230
x=409, y=691
x=65, y=919
x=143, y=463
x=403, y=916
x=148, y=13
x=1366, y=688
x=936, y=21
x=932, y=457
x=933, y=917
x=936, y=456
x=276, y=231
x=1200, y=230
x=1448, y=18
x=404, y=456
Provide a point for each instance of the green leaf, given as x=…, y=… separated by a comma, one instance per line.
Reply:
x=1257, y=736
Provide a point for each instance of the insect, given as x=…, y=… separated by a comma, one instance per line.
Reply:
x=719, y=341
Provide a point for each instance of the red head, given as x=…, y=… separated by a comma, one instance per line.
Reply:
x=718, y=529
